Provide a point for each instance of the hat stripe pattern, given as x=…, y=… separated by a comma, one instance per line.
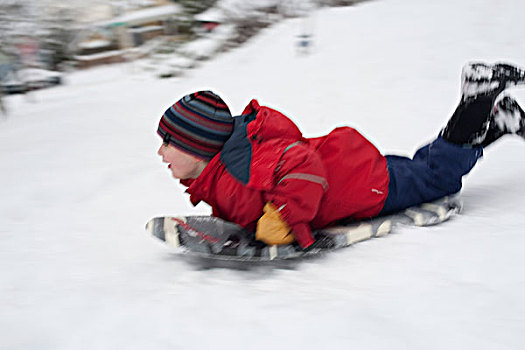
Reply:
x=189, y=137
x=191, y=146
x=199, y=123
x=196, y=124
x=207, y=107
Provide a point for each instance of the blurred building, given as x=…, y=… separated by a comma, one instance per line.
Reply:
x=110, y=39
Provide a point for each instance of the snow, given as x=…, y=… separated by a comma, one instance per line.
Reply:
x=207, y=45
x=168, y=65
x=80, y=178
x=213, y=14
x=93, y=44
x=99, y=55
x=229, y=9
x=148, y=14
x=38, y=74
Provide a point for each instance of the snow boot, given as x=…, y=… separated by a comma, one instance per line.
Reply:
x=485, y=79
x=481, y=85
x=507, y=118
x=469, y=124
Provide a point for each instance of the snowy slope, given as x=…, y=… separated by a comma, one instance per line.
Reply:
x=80, y=178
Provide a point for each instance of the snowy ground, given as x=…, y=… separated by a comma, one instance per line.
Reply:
x=80, y=177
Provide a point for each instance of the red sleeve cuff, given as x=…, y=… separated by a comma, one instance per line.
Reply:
x=303, y=235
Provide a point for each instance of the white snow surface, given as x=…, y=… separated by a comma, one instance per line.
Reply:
x=80, y=178
x=156, y=13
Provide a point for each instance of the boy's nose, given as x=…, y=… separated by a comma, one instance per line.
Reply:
x=159, y=152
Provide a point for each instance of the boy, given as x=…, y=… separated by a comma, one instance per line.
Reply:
x=258, y=171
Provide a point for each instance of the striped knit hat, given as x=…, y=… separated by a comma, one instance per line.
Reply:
x=199, y=124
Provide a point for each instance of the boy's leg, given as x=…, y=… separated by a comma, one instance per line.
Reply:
x=437, y=168
x=435, y=171
x=469, y=123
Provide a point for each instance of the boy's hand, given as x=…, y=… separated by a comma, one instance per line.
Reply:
x=271, y=228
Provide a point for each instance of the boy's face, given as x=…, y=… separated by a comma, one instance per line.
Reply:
x=182, y=165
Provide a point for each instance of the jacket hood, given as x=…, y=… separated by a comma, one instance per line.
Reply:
x=260, y=135
x=270, y=124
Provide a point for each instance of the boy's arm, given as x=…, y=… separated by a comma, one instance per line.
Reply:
x=300, y=183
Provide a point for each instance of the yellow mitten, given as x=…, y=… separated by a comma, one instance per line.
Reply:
x=271, y=229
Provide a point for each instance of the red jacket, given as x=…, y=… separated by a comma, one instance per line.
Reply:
x=315, y=182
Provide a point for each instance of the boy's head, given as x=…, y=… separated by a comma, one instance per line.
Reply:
x=198, y=124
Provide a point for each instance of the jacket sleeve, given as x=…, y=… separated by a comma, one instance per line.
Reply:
x=299, y=184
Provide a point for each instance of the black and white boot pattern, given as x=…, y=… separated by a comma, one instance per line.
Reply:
x=507, y=118
x=481, y=117
x=480, y=78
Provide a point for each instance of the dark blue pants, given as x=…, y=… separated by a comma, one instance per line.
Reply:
x=435, y=171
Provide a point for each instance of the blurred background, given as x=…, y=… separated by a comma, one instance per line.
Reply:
x=42, y=39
